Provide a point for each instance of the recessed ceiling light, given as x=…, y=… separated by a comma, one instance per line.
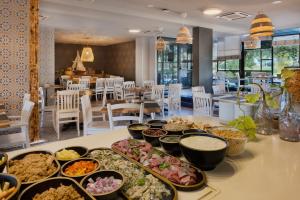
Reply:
x=276, y=2
x=150, y=6
x=212, y=11
x=134, y=30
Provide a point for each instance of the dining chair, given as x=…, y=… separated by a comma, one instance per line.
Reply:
x=254, y=89
x=91, y=126
x=118, y=81
x=219, y=89
x=63, y=80
x=86, y=77
x=76, y=87
x=157, y=95
x=67, y=109
x=100, y=86
x=125, y=116
x=26, y=97
x=109, y=86
x=19, y=138
x=119, y=93
x=239, y=79
x=173, y=101
x=198, y=89
x=202, y=104
x=85, y=83
x=129, y=94
x=147, y=84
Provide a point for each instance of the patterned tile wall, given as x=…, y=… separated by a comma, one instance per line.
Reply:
x=14, y=53
x=46, y=58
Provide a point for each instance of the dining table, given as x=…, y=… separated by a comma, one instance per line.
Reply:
x=269, y=169
x=4, y=120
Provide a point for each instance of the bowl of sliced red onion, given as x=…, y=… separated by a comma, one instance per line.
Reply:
x=103, y=184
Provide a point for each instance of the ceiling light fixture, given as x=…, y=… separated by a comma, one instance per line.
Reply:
x=276, y=2
x=184, y=36
x=134, y=30
x=212, y=11
x=261, y=26
x=160, y=44
x=87, y=55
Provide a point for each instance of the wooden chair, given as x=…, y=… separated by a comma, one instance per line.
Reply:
x=128, y=94
x=67, y=109
x=90, y=126
x=85, y=83
x=19, y=138
x=99, y=89
x=75, y=87
x=119, y=93
x=254, y=89
x=109, y=86
x=157, y=95
x=219, y=89
x=63, y=80
x=123, y=117
x=198, y=89
x=147, y=84
x=118, y=81
x=202, y=104
x=173, y=101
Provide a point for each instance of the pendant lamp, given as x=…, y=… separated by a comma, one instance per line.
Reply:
x=261, y=26
x=160, y=44
x=87, y=55
x=251, y=42
x=184, y=36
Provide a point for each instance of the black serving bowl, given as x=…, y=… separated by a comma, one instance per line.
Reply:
x=172, y=148
x=204, y=159
x=104, y=173
x=80, y=177
x=137, y=133
x=13, y=182
x=21, y=156
x=156, y=123
x=175, y=132
x=193, y=131
x=41, y=187
x=153, y=140
x=82, y=151
x=3, y=164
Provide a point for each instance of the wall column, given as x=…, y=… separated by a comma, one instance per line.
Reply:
x=202, y=57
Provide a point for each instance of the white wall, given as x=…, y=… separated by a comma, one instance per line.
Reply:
x=145, y=59
x=47, y=58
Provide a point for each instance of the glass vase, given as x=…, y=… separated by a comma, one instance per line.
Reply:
x=263, y=119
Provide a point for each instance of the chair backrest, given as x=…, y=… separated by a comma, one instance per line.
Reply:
x=26, y=97
x=254, y=89
x=219, y=89
x=109, y=83
x=86, y=77
x=85, y=83
x=76, y=87
x=157, y=92
x=26, y=112
x=148, y=84
x=123, y=117
x=67, y=100
x=86, y=110
x=100, y=84
x=64, y=79
x=221, y=75
x=68, y=83
x=119, y=94
x=198, y=89
x=41, y=97
x=202, y=104
x=119, y=81
x=129, y=84
x=174, y=91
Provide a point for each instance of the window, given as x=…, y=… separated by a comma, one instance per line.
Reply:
x=285, y=52
x=174, y=65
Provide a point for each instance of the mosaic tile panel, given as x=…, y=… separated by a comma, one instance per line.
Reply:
x=14, y=53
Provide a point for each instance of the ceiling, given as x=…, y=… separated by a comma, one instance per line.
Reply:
x=107, y=22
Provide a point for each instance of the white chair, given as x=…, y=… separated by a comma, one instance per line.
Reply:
x=198, y=89
x=86, y=77
x=99, y=89
x=109, y=86
x=119, y=93
x=147, y=84
x=118, y=81
x=63, y=80
x=89, y=125
x=221, y=79
x=173, y=101
x=219, y=89
x=26, y=97
x=19, y=138
x=69, y=82
x=85, y=83
x=129, y=94
x=123, y=117
x=202, y=104
x=67, y=109
x=157, y=95
x=239, y=79
x=75, y=87
x=254, y=89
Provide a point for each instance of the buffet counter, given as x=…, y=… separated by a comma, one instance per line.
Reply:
x=268, y=169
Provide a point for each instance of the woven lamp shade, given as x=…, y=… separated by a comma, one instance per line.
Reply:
x=160, y=44
x=261, y=26
x=184, y=36
x=87, y=55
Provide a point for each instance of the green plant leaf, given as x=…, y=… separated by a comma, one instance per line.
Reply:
x=271, y=101
x=252, y=98
x=245, y=124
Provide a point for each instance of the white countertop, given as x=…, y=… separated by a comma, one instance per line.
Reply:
x=269, y=169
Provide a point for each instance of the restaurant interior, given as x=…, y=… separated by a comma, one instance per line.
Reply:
x=149, y=99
